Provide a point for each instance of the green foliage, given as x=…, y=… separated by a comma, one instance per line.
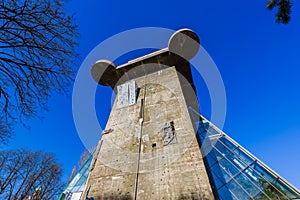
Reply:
x=271, y=191
x=283, y=14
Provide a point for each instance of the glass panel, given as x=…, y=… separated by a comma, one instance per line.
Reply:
x=212, y=131
x=78, y=182
x=254, y=182
x=228, y=167
x=220, y=174
x=201, y=133
x=239, y=153
x=229, y=144
x=270, y=193
x=247, y=185
x=219, y=182
x=285, y=190
x=225, y=194
x=252, y=174
x=243, y=156
x=213, y=153
x=264, y=173
x=211, y=158
x=224, y=150
x=237, y=190
x=261, y=196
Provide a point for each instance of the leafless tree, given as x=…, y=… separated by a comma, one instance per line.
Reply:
x=29, y=175
x=72, y=174
x=83, y=158
x=5, y=130
x=37, y=42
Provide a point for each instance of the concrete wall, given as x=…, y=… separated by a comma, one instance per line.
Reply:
x=173, y=171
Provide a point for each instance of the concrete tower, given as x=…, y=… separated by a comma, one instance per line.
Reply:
x=149, y=148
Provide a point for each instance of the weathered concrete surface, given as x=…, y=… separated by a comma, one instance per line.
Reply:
x=174, y=171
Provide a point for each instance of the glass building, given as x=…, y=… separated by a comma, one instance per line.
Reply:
x=235, y=174
x=75, y=188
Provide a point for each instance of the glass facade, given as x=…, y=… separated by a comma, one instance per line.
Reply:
x=77, y=184
x=235, y=173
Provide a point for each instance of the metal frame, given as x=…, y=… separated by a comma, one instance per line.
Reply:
x=277, y=178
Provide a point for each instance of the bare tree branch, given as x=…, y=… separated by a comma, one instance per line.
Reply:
x=37, y=42
x=29, y=175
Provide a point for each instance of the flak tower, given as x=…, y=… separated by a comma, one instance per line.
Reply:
x=156, y=145
x=149, y=148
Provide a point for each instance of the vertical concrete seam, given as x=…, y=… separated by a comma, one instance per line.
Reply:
x=141, y=120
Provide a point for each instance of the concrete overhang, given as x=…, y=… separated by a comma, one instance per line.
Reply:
x=183, y=45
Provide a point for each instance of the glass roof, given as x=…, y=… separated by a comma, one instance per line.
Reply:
x=235, y=172
x=77, y=184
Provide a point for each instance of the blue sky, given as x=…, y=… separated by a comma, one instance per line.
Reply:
x=259, y=62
